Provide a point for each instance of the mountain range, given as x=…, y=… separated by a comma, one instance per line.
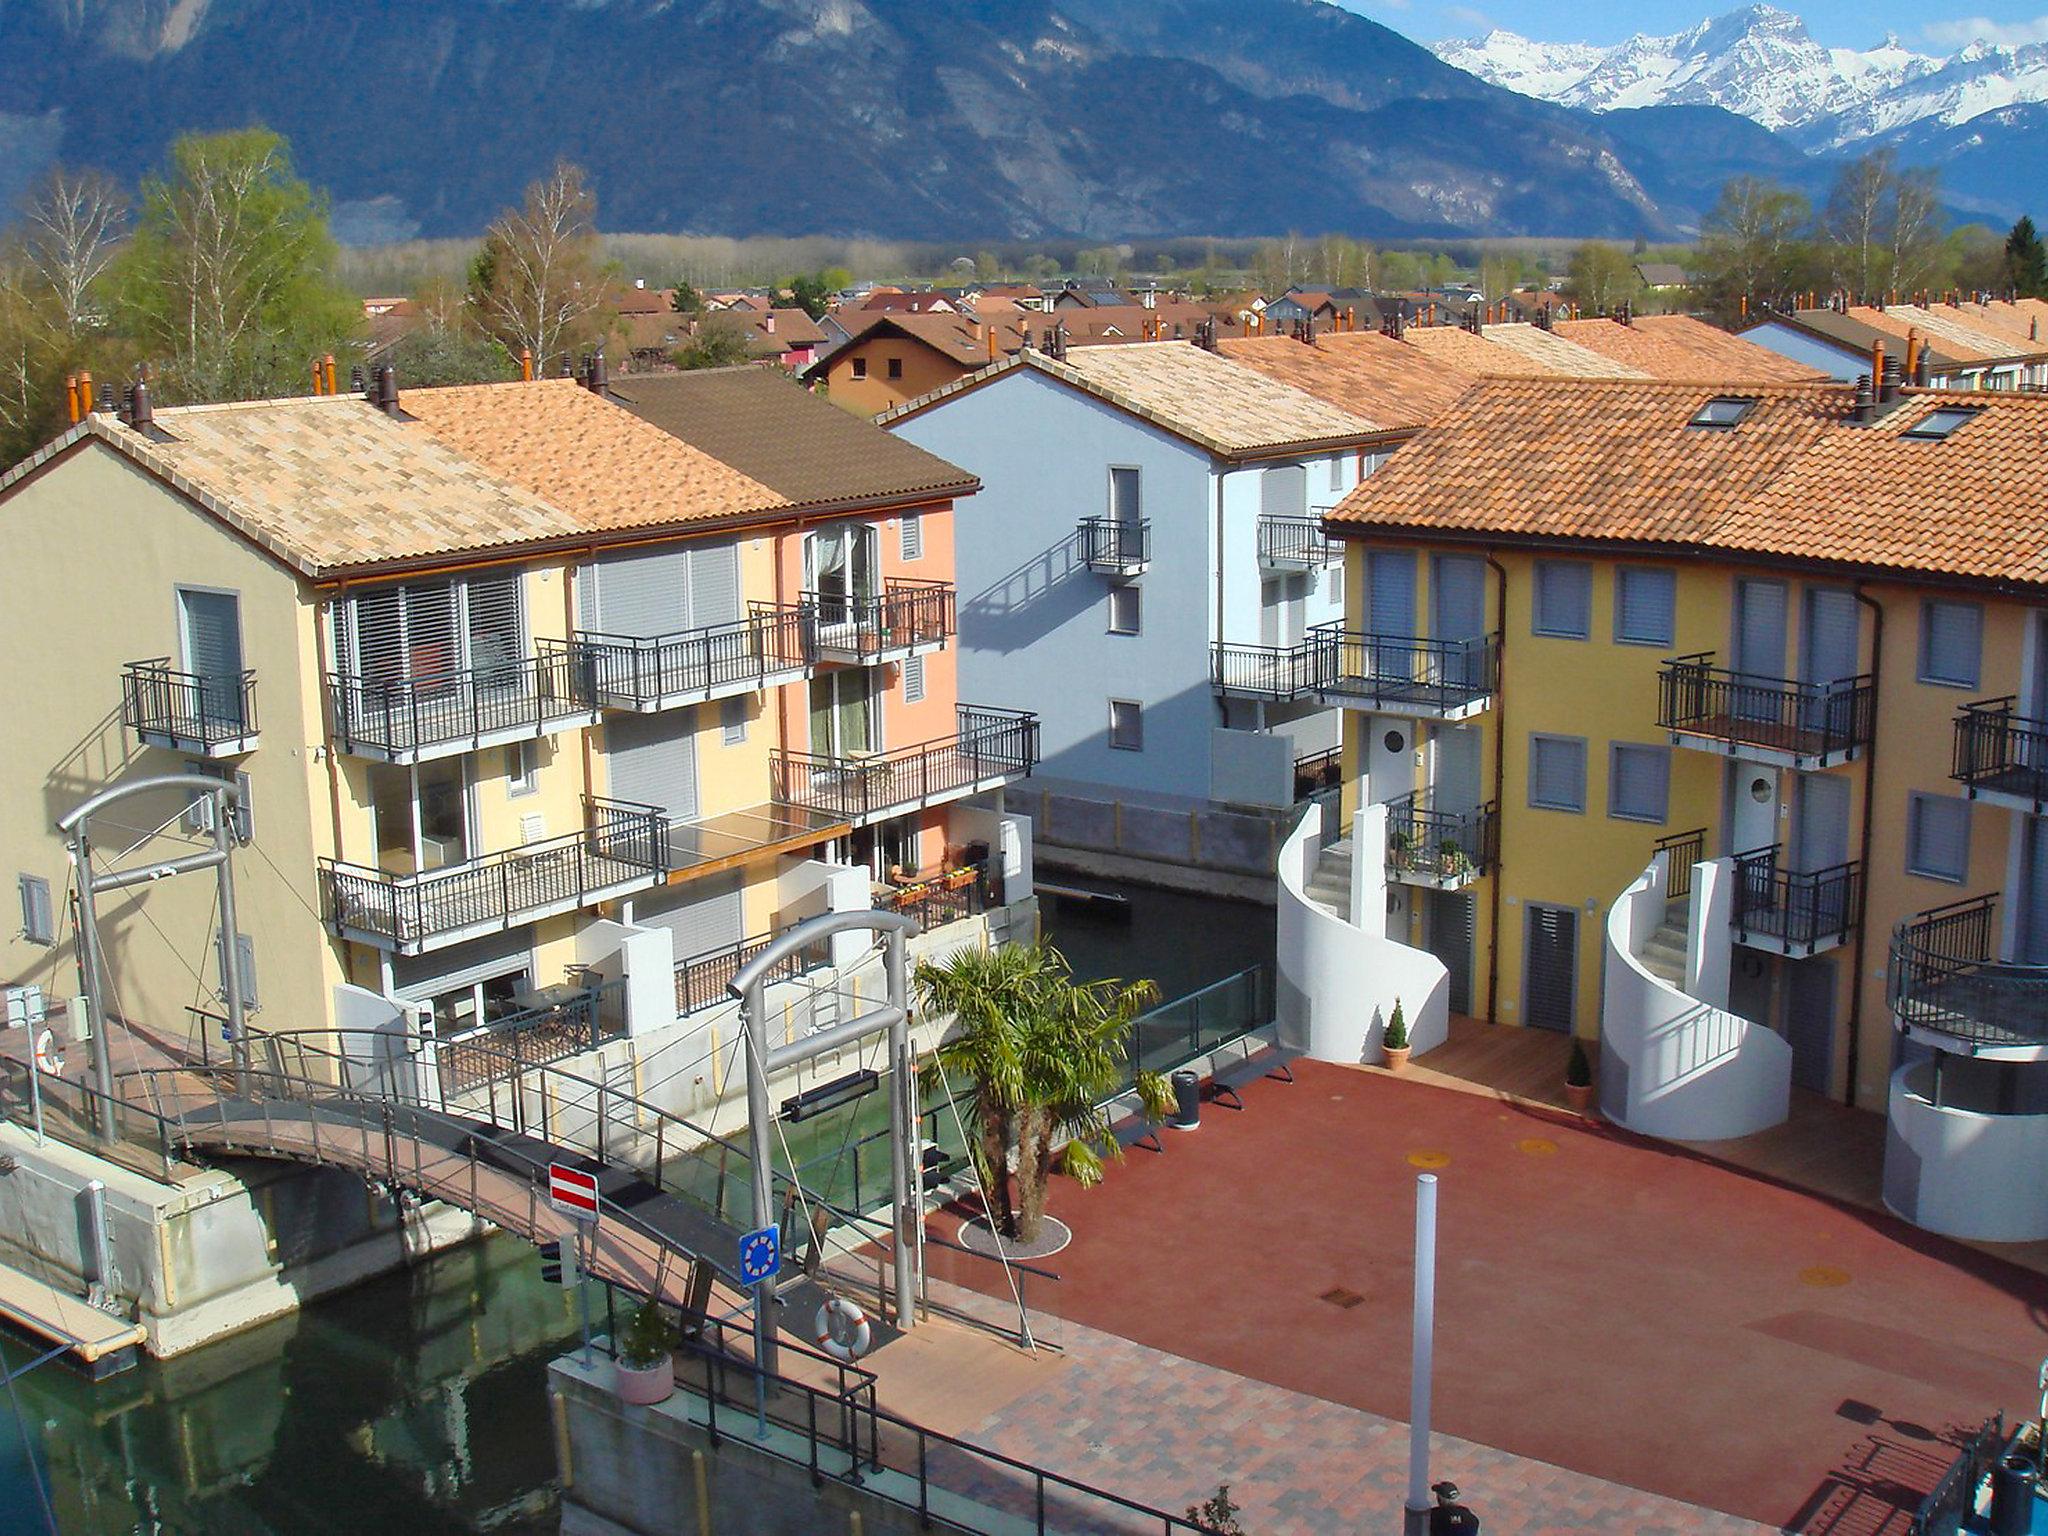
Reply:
x=1980, y=113
x=939, y=120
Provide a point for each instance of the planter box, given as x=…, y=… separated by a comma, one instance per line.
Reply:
x=645, y=1384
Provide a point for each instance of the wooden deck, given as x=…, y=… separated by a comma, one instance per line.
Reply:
x=1824, y=1149
x=62, y=1318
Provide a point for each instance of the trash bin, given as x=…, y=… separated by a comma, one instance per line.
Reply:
x=2012, y=1496
x=1187, y=1101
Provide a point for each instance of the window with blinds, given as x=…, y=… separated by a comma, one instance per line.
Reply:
x=1645, y=600
x=425, y=630
x=913, y=536
x=1938, y=837
x=1283, y=491
x=1638, y=782
x=1557, y=773
x=913, y=680
x=1564, y=600
x=1126, y=725
x=1951, y=643
x=1125, y=496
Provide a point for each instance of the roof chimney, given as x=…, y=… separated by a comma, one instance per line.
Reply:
x=1877, y=361
x=387, y=389
x=327, y=372
x=1920, y=368
x=71, y=397
x=598, y=378
x=319, y=378
x=1888, y=386
x=526, y=364
x=1912, y=352
x=769, y=324
x=141, y=415
x=1865, y=409
x=355, y=380
x=84, y=393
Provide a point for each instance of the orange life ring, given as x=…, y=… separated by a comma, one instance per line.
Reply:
x=47, y=1059
x=842, y=1329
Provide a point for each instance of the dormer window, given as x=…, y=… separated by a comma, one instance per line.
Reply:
x=1938, y=423
x=1723, y=412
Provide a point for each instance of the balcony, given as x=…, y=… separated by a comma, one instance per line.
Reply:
x=184, y=712
x=1794, y=912
x=991, y=748
x=416, y=719
x=1115, y=547
x=1405, y=674
x=2001, y=756
x=702, y=980
x=624, y=848
x=1263, y=671
x=965, y=890
x=1947, y=987
x=908, y=618
x=1295, y=544
x=1442, y=850
x=774, y=643
x=1768, y=719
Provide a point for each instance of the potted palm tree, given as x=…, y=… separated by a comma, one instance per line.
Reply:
x=643, y=1372
x=1578, y=1078
x=1394, y=1043
x=1043, y=1052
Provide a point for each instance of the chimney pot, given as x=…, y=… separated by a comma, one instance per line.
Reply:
x=387, y=389
x=1866, y=404
x=141, y=415
x=1888, y=387
x=355, y=380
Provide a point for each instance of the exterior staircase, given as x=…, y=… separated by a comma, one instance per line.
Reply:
x=1329, y=886
x=1664, y=955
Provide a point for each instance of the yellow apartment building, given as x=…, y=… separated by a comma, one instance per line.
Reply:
x=1705, y=723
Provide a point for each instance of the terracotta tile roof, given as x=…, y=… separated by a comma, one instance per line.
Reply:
x=325, y=484
x=1384, y=381
x=1202, y=396
x=1616, y=461
x=607, y=469
x=764, y=423
x=1852, y=334
x=1491, y=356
x=2026, y=319
x=1557, y=356
x=1959, y=340
x=1680, y=347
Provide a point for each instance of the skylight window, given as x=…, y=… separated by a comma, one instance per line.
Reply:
x=1941, y=421
x=1723, y=411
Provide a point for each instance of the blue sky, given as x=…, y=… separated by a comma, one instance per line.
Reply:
x=1837, y=23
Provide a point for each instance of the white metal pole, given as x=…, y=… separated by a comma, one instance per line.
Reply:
x=1423, y=1351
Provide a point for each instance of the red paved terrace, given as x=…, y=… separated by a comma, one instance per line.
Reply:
x=1613, y=1305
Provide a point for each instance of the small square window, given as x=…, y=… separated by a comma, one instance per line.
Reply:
x=913, y=679
x=913, y=536
x=1638, y=782
x=1645, y=599
x=1938, y=837
x=1124, y=610
x=38, y=916
x=859, y=368
x=522, y=768
x=1337, y=474
x=1723, y=411
x=895, y=367
x=1557, y=773
x=732, y=719
x=1940, y=422
x=1951, y=643
x=1126, y=726
x=1564, y=600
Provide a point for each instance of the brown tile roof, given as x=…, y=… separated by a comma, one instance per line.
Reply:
x=1557, y=356
x=1951, y=336
x=1680, y=347
x=764, y=423
x=1849, y=332
x=1384, y=381
x=325, y=484
x=1616, y=461
x=1459, y=348
x=607, y=469
x=1217, y=404
x=956, y=337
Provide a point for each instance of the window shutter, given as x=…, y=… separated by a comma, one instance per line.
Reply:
x=1124, y=496
x=714, y=585
x=1283, y=491
x=1564, y=599
x=1640, y=789
x=1557, y=773
x=1644, y=601
x=491, y=620
x=1950, y=643
x=1392, y=577
x=913, y=679
x=38, y=916
x=732, y=718
x=913, y=536
x=1941, y=837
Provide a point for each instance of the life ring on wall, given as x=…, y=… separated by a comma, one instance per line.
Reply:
x=47, y=1059
x=842, y=1329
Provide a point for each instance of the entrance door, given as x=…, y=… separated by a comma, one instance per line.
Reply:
x=1759, y=648
x=1550, y=967
x=1452, y=918
x=1752, y=806
x=1810, y=1021
x=839, y=566
x=842, y=716
x=212, y=625
x=1456, y=792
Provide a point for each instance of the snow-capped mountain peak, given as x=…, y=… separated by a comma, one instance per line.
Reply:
x=1762, y=63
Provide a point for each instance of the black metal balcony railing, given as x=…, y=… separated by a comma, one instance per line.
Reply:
x=904, y=615
x=159, y=700
x=1945, y=976
x=1402, y=673
x=2000, y=750
x=948, y=896
x=1441, y=847
x=1806, y=910
x=702, y=979
x=403, y=715
x=1295, y=543
x=989, y=744
x=634, y=672
x=1275, y=671
x=622, y=844
x=1317, y=772
x=1116, y=544
x=1807, y=720
x=1681, y=850
x=530, y=1037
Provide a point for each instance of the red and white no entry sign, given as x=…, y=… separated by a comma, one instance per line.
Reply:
x=572, y=1191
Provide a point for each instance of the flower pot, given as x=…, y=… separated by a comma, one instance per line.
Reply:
x=644, y=1384
x=1396, y=1057
x=1579, y=1096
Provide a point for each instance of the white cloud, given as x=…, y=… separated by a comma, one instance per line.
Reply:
x=1972, y=29
x=1476, y=22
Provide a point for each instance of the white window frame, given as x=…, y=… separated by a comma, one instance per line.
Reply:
x=1137, y=718
x=522, y=768
x=910, y=538
x=732, y=719
x=1137, y=602
x=914, y=684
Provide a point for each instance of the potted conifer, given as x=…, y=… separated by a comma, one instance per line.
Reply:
x=1578, y=1079
x=1394, y=1043
x=644, y=1372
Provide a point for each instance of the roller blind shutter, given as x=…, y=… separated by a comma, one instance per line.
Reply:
x=1392, y=581
x=2034, y=921
x=1939, y=837
x=1830, y=653
x=653, y=760
x=492, y=618
x=405, y=632
x=1949, y=643
x=1549, y=969
x=641, y=595
x=420, y=977
x=1641, y=786
x=1557, y=773
x=1459, y=584
x=1643, y=604
x=1283, y=491
x=708, y=916
x=714, y=585
x=1760, y=629
x=1564, y=599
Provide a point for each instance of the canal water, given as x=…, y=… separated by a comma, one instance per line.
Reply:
x=416, y=1403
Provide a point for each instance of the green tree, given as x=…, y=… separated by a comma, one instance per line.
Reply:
x=717, y=342
x=813, y=292
x=1042, y=1051
x=1753, y=249
x=684, y=299
x=1600, y=277
x=986, y=268
x=2026, y=260
x=228, y=278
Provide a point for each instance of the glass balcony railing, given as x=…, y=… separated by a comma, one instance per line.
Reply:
x=1813, y=725
x=990, y=746
x=1945, y=979
x=208, y=716
x=623, y=847
x=2001, y=752
x=1801, y=912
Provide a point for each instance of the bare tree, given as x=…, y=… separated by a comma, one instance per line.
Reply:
x=1854, y=226
x=74, y=225
x=1915, y=228
x=536, y=281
